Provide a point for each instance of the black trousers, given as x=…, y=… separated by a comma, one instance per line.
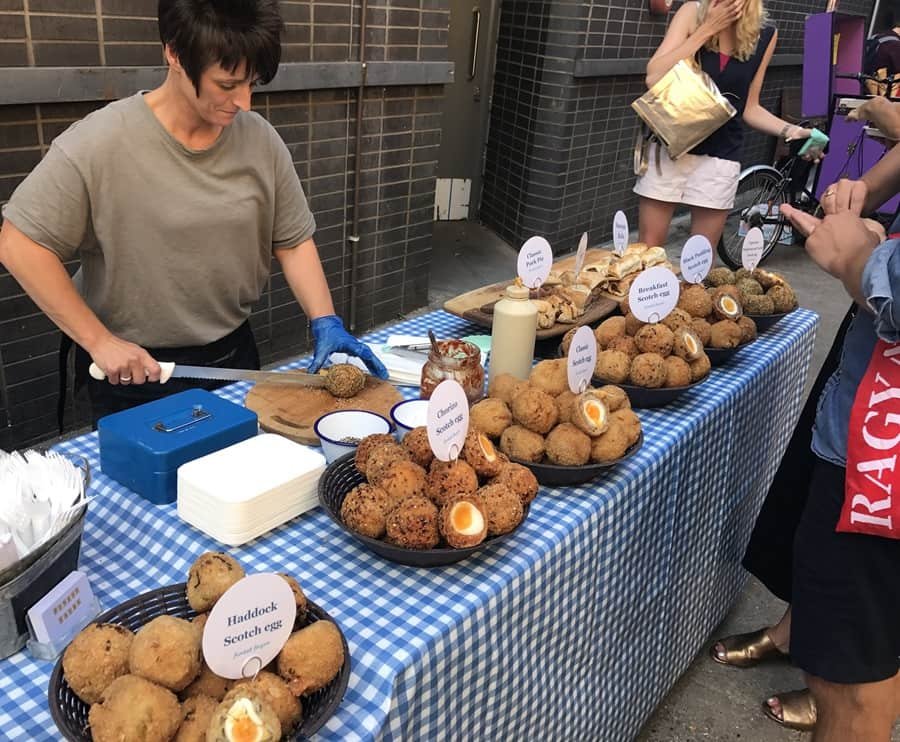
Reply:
x=235, y=350
x=770, y=553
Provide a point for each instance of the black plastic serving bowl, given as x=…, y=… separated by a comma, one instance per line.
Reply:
x=70, y=713
x=341, y=476
x=765, y=321
x=564, y=476
x=720, y=356
x=645, y=398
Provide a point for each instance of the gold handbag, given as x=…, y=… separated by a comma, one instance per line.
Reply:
x=683, y=108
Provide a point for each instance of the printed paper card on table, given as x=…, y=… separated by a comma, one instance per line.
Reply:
x=752, y=249
x=534, y=262
x=448, y=420
x=581, y=254
x=249, y=625
x=581, y=359
x=654, y=294
x=620, y=233
x=696, y=259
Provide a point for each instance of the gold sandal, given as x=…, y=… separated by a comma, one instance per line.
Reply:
x=798, y=710
x=746, y=650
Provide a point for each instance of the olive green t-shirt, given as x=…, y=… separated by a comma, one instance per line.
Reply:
x=175, y=244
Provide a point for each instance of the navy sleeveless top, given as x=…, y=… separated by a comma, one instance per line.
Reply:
x=734, y=83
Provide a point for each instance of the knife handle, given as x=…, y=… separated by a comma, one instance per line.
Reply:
x=166, y=369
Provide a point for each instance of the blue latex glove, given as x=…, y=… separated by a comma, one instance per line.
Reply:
x=329, y=336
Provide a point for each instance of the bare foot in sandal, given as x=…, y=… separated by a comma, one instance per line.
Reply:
x=794, y=709
x=748, y=650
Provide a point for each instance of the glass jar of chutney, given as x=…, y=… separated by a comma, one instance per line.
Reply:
x=458, y=360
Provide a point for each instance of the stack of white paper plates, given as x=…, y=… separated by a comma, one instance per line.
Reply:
x=246, y=490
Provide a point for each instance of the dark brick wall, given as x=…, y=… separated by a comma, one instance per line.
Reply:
x=401, y=136
x=559, y=158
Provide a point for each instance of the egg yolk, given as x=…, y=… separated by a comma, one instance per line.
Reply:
x=594, y=412
x=728, y=305
x=466, y=519
x=243, y=724
x=487, y=447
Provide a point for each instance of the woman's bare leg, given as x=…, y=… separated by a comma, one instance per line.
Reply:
x=654, y=218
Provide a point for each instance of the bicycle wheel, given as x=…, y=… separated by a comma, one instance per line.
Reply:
x=757, y=203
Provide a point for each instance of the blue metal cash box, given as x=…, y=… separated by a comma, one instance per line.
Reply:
x=143, y=447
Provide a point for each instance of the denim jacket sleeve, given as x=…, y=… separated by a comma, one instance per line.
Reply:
x=881, y=287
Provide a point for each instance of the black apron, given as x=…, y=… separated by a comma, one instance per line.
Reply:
x=235, y=350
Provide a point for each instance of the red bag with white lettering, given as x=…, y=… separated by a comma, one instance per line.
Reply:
x=871, y=500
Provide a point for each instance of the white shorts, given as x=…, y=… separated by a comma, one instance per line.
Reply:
x=694, y=180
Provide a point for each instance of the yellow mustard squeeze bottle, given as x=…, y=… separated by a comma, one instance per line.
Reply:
x=513, y=333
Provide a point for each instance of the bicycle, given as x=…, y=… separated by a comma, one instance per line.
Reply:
x=763, y=189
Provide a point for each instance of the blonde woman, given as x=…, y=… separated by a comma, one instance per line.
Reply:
x=734, y=45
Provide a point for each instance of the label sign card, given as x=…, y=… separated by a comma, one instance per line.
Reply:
x=581, y=253
x=448, y=420
x=654, y=294
x=620, y=233
x=696, y=259
x=751, y=252
x=249, y=625
x=581, y=359
x=535, y=260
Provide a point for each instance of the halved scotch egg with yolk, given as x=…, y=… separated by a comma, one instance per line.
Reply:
x=687, y=345
x=591, y=415
x=727, y=307
x=479, y=453
x=463, y=522
x=243, y=716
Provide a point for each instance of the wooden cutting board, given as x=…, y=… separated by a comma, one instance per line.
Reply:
x=470, y=305
x=292, y=411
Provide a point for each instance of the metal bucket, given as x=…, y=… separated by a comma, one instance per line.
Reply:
x=27, y=581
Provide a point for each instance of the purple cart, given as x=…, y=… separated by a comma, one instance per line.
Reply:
x=850, y=154
x=833, y=45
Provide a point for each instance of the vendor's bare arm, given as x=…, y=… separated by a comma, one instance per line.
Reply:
x=304, y=274
x=47, y=282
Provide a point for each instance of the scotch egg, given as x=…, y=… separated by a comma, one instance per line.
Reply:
x=481, y=455
x=726, y=306
x=687, y=345
x=243, y=717
x=591, y=414
x=463, y=522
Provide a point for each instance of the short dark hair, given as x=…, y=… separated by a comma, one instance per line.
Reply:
x=202, y=33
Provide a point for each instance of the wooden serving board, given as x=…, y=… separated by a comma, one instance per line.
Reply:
x=292, y=411
x=470, y=305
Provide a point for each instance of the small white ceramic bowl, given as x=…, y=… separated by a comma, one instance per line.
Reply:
x=409, y=414
x=342, y=430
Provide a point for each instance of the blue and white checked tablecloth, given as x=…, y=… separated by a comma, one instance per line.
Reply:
x=544, y=636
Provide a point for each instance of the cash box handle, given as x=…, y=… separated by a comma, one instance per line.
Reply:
x=183, y=419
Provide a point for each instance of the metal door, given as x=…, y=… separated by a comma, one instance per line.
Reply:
x=467, y=105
